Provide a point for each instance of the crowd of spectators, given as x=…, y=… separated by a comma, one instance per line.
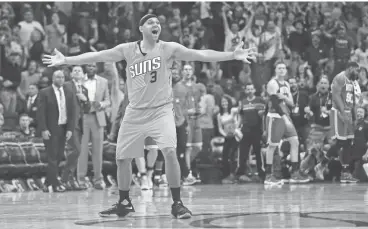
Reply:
x=315, y=39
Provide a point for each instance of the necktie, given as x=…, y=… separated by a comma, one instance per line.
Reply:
x=29, y=103
x=62, y=111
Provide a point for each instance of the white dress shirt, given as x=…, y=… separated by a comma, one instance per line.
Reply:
x=91, y=85
x=31, y=100
x=60, y=97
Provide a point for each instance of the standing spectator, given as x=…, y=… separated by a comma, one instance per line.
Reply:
x=76, y=47
x=301, y=100
x=44, y=82
x=363, y=79
x=233, y=37
x=80, y=94
x=31, y=76
x=11, y=74
x=362, y=31
x=94, y=122
x=317, y=56
x=361, y=54
x=35, y=48
x=27, y=26
x=318, y=109
x=227, y=125
x=207, y=110
x=342, y=48
x=298, y=40
x=56, y=121
x=165, y=29
x=30, y=105
x=251, y=110
x=55, y=35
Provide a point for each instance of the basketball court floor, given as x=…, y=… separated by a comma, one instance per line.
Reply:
x=213, y=206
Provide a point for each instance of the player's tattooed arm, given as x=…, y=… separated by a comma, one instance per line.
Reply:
x=179, y=52
x=336, y=87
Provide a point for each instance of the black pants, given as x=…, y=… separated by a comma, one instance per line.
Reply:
x=72, y=158
x=181, y=135
x=252, y=137
x=228, y=156
x=205, y=155
x=55, y=147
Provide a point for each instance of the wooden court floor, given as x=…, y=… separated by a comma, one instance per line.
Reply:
x=213, y=206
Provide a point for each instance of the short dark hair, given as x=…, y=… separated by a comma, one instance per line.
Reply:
x=34, y=84
x=23, y=115
x=74, y=66
x=278, y=62
x=249, y=84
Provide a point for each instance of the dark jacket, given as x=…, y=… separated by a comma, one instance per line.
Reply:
x=48, y=110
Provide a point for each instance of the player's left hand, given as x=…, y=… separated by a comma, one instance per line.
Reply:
x=244, y=54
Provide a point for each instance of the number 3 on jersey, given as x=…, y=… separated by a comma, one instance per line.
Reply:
x=153, y=76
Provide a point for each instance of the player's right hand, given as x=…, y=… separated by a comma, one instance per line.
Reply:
x=54, y=60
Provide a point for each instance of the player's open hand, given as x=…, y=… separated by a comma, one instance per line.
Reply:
x=244, y=54
x=54, y=60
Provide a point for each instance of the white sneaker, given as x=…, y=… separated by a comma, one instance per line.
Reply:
x=190, y=180
x=319, y=170
x=144, y=183
x=163, y=181
x=150, y=182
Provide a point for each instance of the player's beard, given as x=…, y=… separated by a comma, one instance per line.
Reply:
x=354, y=76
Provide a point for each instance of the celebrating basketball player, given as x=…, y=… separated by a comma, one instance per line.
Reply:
x=345, y=98
x=279, y=126
x=150, y=111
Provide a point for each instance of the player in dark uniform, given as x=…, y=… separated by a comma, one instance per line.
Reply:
x=345, y=99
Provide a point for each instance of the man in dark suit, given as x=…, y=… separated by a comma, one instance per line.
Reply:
x=82, y=105
x=29, y=106
x=56, y=122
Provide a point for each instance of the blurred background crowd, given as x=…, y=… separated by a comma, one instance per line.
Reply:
x=315, y=40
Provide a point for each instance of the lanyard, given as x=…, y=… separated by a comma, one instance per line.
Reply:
x=297, y=100
x=321, y=100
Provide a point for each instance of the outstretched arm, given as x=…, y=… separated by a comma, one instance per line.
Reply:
x=179, y=52
x=115, y=54
x=110, y=55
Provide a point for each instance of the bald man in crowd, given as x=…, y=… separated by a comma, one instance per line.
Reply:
x=56, y=122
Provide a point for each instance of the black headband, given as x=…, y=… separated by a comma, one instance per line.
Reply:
x=145, y=18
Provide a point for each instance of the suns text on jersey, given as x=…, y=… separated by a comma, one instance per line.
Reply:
x=145, y=66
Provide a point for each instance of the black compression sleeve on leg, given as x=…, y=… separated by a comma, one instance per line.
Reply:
x=276, y=104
